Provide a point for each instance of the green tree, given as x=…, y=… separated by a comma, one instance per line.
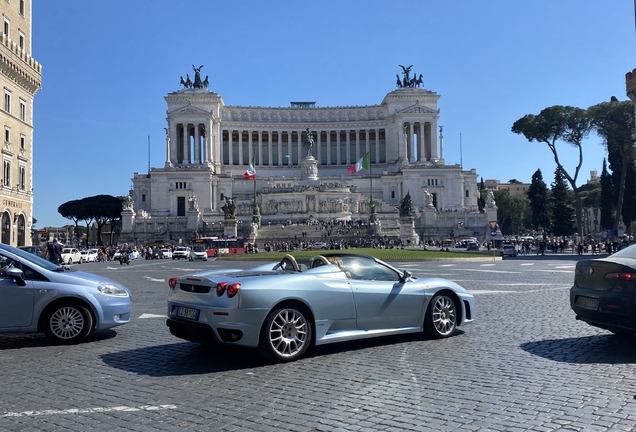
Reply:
x=562, y=212
x=607, y=199
x=591, y=199
x=559, y=123
x=614, y=122
x=514, y=181
x=538, y=195
x=105, y=208
x=510, y=210
x=72, y=210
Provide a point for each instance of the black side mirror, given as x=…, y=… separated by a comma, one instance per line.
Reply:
x=16, y=274
x=405, y=276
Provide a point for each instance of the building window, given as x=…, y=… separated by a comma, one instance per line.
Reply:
x=181, y=206
x=7, y=101
x=143, y=198
x=22, y=178
x=7, y=136
x=21, y=40
x=22, y=141
x=392, y=194
x=5, y=28
x=22, y=7
x=6, y=174
x=22, y=110
x=180, y=185
x=467, y=194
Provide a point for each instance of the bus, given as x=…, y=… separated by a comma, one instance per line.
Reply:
x=218, y=245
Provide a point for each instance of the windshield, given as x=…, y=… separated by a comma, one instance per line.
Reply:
x=27, y=256
x=199, y=249
x=628, y=252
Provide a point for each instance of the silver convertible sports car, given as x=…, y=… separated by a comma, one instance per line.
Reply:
x=283, y=308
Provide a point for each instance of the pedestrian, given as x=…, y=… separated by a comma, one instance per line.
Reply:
x=54, y=251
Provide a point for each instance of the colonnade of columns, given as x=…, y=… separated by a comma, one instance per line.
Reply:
x=189, y=143
x=285, y=148
x=418, y=142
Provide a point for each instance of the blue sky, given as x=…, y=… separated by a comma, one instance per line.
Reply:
x=107, y=66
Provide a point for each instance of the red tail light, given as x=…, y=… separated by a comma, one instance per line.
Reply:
x=628, y=277
x=220, y=288
x=233, y=289
x=172, y=282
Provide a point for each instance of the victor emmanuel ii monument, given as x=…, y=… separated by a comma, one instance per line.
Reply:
x=300, y=157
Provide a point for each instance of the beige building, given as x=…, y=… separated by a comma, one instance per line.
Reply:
x=512, y=188
x=20, y=78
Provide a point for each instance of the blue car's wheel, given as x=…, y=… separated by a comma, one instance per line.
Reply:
x=67, y=323
x=286, y=334
x=441, y=317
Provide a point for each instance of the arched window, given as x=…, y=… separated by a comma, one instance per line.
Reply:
x=21, y=231
x=5, y=226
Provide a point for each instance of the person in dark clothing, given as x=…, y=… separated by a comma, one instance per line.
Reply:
x=54, y=251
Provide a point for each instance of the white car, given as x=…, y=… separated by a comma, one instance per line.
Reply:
x=71, y=255
x=165, y=253
x=198, y=253
x=320, y=245
x=181, y=252
x=89, y=255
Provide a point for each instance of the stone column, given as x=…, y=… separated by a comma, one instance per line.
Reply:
x=197, y=145
x=168, y=162
x=348, y=158
x=269, y=148
x=328, y=147
x=357, y=145
x=230, y=150
x=367, y=144
x=240, y=149
x=338, y=149
x=319, y=147
x=432, y=134
x=411, y=149
x=289, y=149
x=299, y=142
x=377, y=145
x=215, y=192
x=421, y=141
x=250, y=147
x=186, y=145
x=260, y=147
x=280, y=148
x=174, y=142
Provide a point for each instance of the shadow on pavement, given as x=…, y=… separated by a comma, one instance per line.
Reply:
x=605, y=349
x=188, y=358
x=22, y=340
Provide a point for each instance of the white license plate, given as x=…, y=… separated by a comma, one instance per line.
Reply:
x=587, y=302
x=188, y=313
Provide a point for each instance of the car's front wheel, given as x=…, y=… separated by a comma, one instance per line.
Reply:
x=441, y=317
x=67, y=323
x=286, y=334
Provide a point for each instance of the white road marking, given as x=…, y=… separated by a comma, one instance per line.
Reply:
x=519, y=284
x=112, y=268
x=89, y=410
x=148, y=315
x=527, y=264
x=487, y=265
x=491, y=271
x=490, y=292
x=154, y=280
x=448, y=265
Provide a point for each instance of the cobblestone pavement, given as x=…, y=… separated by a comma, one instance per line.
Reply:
x=524, y=364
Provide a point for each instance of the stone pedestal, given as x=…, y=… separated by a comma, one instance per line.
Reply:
x=408, y=236
x=230, y=227
x=309, y=172
x=127, y=221
x=429, y=215
x=193, y=220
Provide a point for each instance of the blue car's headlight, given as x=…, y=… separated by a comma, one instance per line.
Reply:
x=110, y=289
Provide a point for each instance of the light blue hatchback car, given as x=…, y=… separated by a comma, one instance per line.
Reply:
x=37, y=296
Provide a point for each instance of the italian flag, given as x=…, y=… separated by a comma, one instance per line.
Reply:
x=363, y=163
x=250, y=174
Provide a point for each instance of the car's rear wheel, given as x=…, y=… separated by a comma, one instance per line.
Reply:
x=286, y=334
x=67, y=323
x=441, y=317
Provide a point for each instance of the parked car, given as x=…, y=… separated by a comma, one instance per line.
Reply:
x=508, y=250
x=181, y=252
x=37, y=296
x=71, y=255
x=165, y=254
x=198, y=252
x=320, y=246
x=283, y=308
x=604, y=292
x=36, y=250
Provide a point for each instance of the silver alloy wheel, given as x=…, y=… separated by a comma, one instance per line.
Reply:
x=444, y=315
x=67, y=322
x=288, y=333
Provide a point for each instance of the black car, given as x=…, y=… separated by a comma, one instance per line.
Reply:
x=36, y=250
x=604, y=292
